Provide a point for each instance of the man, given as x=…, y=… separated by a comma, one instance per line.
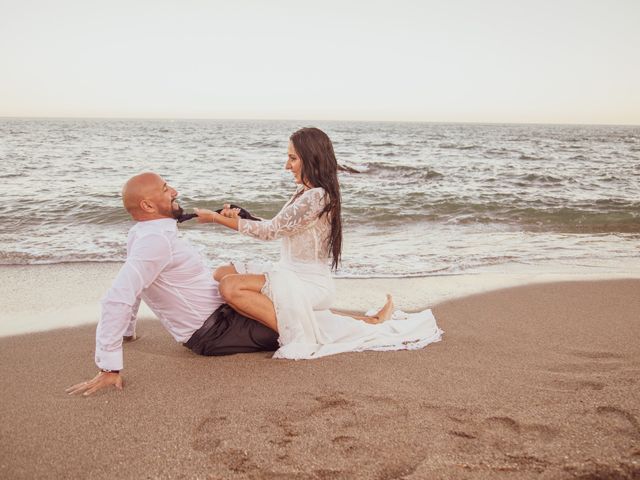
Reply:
x=169, y=275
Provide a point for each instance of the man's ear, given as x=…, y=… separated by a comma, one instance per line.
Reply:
x=147, y=206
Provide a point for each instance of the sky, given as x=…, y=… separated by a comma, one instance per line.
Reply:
x=497, y=61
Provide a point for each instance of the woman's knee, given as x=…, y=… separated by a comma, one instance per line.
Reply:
x=229, y=286
x=234, y=285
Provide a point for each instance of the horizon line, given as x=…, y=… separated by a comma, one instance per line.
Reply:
x=13, y=117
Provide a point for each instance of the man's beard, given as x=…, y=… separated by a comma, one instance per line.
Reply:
x=177, y=212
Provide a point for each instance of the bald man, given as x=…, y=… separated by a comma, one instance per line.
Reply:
x=170, y=276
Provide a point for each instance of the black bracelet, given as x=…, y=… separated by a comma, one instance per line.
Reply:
x=104, y=370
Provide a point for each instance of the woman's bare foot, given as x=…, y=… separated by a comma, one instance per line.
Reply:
x=384, y=313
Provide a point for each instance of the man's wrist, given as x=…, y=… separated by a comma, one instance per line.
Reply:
x=104, y=370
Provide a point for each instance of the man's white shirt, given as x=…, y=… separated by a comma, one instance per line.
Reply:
x=169, y=275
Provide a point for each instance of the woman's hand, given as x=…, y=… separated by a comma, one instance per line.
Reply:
x=229, y=212
x=205, y=216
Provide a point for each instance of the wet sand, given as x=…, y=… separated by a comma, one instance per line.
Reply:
x=537, y=381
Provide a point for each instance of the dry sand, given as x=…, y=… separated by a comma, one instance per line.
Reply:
x=539, y=381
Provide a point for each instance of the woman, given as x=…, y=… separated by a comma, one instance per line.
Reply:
x=293, y=296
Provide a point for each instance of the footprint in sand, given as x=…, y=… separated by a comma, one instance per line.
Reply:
x=347, y=443
x=596, y=355
x=576, y=385
x=505, y=424
x=456, y=414
x=593, y=362
x=586, y=367
x=347, y=411
x=496, y=428
x=285, y=437
x=235, y=459
x=207, y=436
x=503, y=430
x=627, y=422
x=462, y=434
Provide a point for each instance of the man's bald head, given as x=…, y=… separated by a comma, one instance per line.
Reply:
x=147, y=196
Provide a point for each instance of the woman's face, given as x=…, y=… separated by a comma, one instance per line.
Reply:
x=294, y=163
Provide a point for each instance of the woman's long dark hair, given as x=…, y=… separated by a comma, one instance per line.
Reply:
x=320, y=169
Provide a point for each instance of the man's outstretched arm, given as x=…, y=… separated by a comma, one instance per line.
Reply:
x=147, y=258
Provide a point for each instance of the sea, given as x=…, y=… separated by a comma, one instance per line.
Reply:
x=423, y=199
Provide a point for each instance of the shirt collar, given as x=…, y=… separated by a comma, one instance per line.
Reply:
x=162, y=224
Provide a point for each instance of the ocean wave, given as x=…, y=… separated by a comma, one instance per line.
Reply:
x=384, y=144
x=65, y=213
x=501, y=152
x=262, y=144
x=540, y=178
x=456, y=146
x=405, y=171
x=602, y=215
x=605, y=217
x=524, y=156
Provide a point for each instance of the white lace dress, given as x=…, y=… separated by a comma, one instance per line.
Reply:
x=301, y=288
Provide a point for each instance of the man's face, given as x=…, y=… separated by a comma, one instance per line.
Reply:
x=165, y=200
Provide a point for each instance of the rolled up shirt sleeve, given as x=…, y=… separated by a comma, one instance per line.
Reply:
x=147, y=257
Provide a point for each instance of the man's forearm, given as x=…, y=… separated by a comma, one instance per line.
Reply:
x=114, y=322
x=133, y=320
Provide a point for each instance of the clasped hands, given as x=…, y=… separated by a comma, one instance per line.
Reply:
x=209, y=216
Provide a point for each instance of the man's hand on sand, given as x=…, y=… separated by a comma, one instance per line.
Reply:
x=100, y=381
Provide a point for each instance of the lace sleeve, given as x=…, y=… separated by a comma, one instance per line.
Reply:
x=292, y=218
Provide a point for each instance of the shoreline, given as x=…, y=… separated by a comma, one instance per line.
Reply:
x=50, y=296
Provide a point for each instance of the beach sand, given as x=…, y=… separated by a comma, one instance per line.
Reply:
x=535, y=381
